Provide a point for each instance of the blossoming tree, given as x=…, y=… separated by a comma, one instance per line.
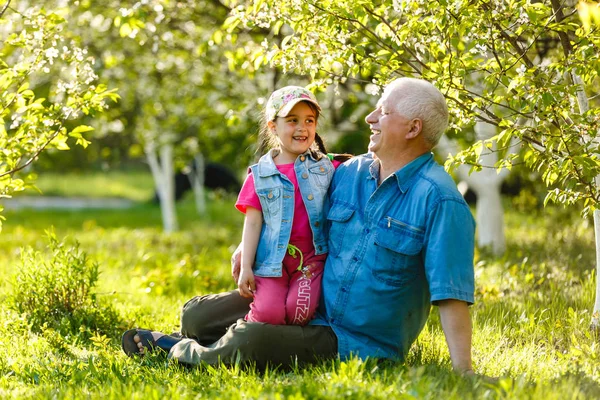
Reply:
x=46, y=84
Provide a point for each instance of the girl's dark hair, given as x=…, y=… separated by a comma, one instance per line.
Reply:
x=337, y=157
x=267, y=141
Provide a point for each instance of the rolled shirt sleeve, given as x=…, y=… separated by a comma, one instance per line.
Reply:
x=448, y=253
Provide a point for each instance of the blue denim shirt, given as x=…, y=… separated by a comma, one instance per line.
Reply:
x=393, y=250
x=276, y=194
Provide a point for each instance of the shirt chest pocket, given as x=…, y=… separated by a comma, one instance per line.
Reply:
x=338, y=217
x=270, y=202
x=398, y=252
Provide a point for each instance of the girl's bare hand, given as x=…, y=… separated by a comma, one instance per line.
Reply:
x=246, y=284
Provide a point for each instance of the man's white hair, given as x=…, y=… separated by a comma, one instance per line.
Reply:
x=418, y=98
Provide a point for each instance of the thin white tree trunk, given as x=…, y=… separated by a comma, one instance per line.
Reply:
x=584, y=106
x=486, y=185
x=596, y=312
x=163, y=173
x=196, y=177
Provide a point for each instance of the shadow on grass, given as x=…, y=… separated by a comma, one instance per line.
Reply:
x=141, y=215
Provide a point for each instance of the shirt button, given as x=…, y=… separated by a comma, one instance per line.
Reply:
x=354, y=258
x=302, y=158
x=322, y=169
x=367, y=231
x=270, y=195
x=310, y=197
x=332, y=320
x=305, y=175
x=317, y=224
x=344, y=290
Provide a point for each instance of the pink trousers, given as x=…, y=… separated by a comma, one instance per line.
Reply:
x=291, y=299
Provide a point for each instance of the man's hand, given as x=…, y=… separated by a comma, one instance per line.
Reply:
x=456, y=323
x=246, y=284
x=236, y=263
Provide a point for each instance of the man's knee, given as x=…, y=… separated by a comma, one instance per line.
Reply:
x=249, y=337
x=194, y=317
x=206, y=318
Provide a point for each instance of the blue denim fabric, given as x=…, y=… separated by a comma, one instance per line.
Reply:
x=393, y=250
x=276, y=194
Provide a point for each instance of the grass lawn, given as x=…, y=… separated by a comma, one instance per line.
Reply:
x=136, y=185
x=531, y=317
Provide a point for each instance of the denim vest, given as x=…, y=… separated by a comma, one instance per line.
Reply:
x=276, y=194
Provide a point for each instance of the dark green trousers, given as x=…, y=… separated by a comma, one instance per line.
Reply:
x=216, y=332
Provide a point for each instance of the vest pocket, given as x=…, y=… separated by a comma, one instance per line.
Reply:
x=321, y=173
x=398, y=258
x=269, y=201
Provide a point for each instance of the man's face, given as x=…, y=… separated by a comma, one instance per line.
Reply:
x=389, y=128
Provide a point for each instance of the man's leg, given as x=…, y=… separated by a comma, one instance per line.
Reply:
x=262, y=344
x=206, y=318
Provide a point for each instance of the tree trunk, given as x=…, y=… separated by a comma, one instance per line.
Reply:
x=486, y=185
x=489, y=210
x=163, y=174
x=596, y=313
x=196, y=177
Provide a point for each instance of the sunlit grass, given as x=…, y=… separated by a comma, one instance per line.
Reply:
x=531, y=316
x=135, y=185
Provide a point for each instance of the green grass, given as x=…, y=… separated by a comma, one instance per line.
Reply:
x=531, y=317
x=136, y=185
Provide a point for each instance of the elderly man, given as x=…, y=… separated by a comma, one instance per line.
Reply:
x=400, y=239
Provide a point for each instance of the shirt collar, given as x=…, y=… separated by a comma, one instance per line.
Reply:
x=404, y=176
x=374, y=167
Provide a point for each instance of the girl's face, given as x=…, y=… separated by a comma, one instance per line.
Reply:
x=296, y=132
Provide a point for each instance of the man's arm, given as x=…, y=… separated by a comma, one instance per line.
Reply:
x=236, y=263
x=456, y=323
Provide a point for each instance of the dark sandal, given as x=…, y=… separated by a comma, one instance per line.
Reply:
x=130, y=347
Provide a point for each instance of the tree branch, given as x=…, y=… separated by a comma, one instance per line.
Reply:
x=404, y=47
x=38, y=152
x=4, y=8
x=376, y=39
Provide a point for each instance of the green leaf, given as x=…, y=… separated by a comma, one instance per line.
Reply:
x=81, y=129
x=23, y=87
x=125, y=30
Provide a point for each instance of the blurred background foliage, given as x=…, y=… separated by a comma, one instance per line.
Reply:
x=172, y=65
x=197, y=74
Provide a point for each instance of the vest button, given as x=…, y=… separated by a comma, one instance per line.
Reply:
x=305, y=175
x=302, y=158
x=270, y=195
x=310, y=197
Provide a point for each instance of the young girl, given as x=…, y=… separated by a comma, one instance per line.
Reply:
x=283, y=243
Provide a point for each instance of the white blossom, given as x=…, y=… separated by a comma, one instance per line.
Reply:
x=51, y=54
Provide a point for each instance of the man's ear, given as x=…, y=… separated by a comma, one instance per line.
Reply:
x=416, y=126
